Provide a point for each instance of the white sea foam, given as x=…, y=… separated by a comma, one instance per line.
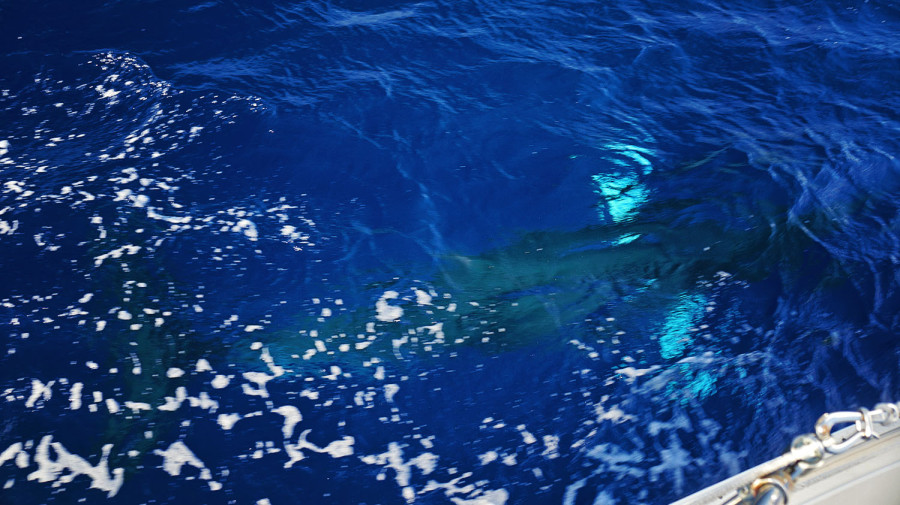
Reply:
x=385, y=311
x=178, y=455
x=258, y=378
x=8, y=229
x=75, y=396
x=140, y=200
x=393, y=459
x=551, y=447
x=390, y=390
x=39, y=391
x=490, y=497
x=474, y=495
x=336, y=449
x=488, y=457
x=632, y=373
x=291, y=418
x=220, y=381
x=527, y=437
x=227, y=421
x=106, y=93
x=137, y=406
x=673, y=459
x=422, y=297
x=117, y=253
x=14, y=186
x=11, y=453
x=152, y=214
x=173, y=403
x=51, y=469
x=247, y=227
x=203, y=401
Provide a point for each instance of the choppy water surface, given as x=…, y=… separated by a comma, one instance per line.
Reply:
x=472, y=252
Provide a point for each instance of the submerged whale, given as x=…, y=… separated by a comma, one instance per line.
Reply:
x=642, y=271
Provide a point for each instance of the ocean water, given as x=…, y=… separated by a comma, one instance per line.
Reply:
x=477, y=252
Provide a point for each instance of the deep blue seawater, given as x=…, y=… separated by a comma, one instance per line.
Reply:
x=477, y=252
